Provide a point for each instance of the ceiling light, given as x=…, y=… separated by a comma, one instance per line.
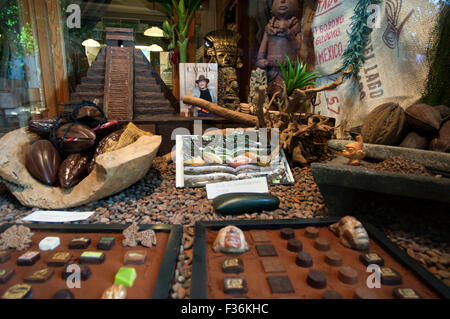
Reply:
x=155, y=48
x=154, y=32
x=91, y=43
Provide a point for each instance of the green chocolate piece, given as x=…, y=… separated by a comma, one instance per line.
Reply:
x=125, y=276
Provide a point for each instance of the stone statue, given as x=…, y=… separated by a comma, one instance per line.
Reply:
x=351, y=233
x=222, y=48
x=353, y=151
x=282, y=37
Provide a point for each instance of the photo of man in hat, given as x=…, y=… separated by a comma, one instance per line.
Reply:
x=202, y=91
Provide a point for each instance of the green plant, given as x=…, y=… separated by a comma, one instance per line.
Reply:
x=296, y=77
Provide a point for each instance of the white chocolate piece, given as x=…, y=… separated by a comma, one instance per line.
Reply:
x=230, y=240
x=49, y=243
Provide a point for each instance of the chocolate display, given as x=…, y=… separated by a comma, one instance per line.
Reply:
x=85, y=271
x=304, y=259
x=234, y=285
x=92, y=257
x=75, y=138
x=20, y=291
x=39, y=275
x=79, y=243
x=390, y=277
x=280, y=284
x=316, y=279
x=5, y=275
x=42, y=162
x=351, y=233
x=287, y=233
x=44, y=127
x=103, y=146
x=294, y=245
x=405, y=293
x=59, y=259
x=17, y=237
x=49, y=243
x=259, y=236
x=348, y=275
x=4, y=256
x=371, y=258
x=29, y=258
x=115, y=292
x=136, y=257
x=72, y=170
x=125, y=276
x=333, y=258
x=63, y=294
x=106, y=243
x=233, y=266
x=230, y=240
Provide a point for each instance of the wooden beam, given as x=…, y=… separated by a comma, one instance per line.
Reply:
x=58, y=52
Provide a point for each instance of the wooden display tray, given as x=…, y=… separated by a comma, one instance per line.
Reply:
x=207, y=277
x=158, y=281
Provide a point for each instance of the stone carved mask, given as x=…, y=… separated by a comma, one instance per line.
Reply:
x=285, y=9
x=351, y=233
x=230, y=239
x=222, y=48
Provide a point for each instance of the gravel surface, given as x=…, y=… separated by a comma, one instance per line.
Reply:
x=400, y=165
x=155, y=199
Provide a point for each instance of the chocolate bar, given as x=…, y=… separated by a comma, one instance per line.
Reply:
x=233, y=266
x=390, y=277
x=272, y=265
x=20, y=291
x=5, y=275
x=29, y=258
x=59, y=259
x=371, y=258
x=92, y=257
x=106, y=243
x=280, y=284
x=234, y=285
x=39, y=275
x=405, y=293
x=266, y=250
x=79, y=243
x=4, y=256
x=136, y=257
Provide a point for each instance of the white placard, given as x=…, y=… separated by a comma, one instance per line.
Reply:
x=253, y=185
x=51, y=216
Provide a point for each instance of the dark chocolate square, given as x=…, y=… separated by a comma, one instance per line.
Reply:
x=136, y=257
x=266, y=250
x=371, y=258
x=39, y=275
x=85, y=271
x=234, y=285
x=29, y=258
x=106, y=243
x=390, y=277
x=272, y=265
x=92, y=257
x=59, y=259
x=79, y=243
x=233, y=266
x=280, y=285
x=19, y=291
x=5, y=275
x=4, y=256
x=260, y=236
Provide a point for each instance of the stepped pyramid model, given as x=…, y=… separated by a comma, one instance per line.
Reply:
x=124, y=82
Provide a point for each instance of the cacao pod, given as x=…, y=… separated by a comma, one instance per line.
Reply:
x=113, y=137
x=442, y=142
x=444, y=110
x=423, y=118
x=414, y=140
x=44, y=127
x=89, y=115
x=75, y=138
x=42, y=162
x=104, y=129
x=72, y=170
x=384, y=125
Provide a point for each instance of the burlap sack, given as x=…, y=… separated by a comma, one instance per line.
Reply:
x=129, y=136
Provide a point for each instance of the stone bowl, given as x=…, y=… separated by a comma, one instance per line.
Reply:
x=113, y=172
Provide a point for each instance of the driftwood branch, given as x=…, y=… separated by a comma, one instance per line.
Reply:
x=260, y=110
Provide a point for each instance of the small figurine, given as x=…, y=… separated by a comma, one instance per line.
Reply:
x=18, y=237
x=353, y=151
x=351, y=233
x=230, y=240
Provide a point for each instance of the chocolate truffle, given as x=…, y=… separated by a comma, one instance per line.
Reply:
x=311, y=232
x=106, y=243
x=234, y=285
x=405, y=293
x=115, y=292
x=5, y=275
x=364, y=293
x=294, y=245
x=63, y=294
x=390, y=277
x=280, y=285
x=29, y=258
x=272, y=265
x=92, y=257
x=266, y=250
x=136, y=257
x=371, y=258
x=287, y=233
x=233, y=266
x=80, y=243
x=322, y=244
x=85, y=271
x=39, y=275
x=59, y=259
x=4, y=256
x=304, y=259
x=331, y=294
x=333, y=258
x=316, y=279
x=20, y=291
x=348, y=275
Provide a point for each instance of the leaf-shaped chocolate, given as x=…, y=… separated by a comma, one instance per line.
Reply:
x=72, y=170
x=75, y=138
x=42, y=162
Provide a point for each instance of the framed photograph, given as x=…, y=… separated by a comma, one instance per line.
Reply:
x=199, y=80
x=202, y=160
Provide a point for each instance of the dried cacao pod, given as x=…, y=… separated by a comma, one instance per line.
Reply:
x=384, y=125
x=414, y=140
x=42, y=162
x=444, y=110
x=113, y=137
x=72, y=170
x=75, y=138
x=442, y=142
x=104, y=129
x=89, y=115
x=423, y=118
x=44, y=127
